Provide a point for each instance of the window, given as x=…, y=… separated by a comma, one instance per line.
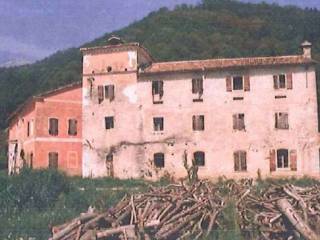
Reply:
x=100, y=94
x=198, y=122
x=109, y=165
x=282, y=158
x=109, y=92
x=279, y=81
x=28, y=129
x=157, y=91
x=238, y=121
x=53, y=160
x=109, y=122
x=237, y=83
x=158, y=124
x=158, y=159
x=199, y=158
x=281, y=120
x=197, y=86
x=72, y=128
x=240, y=161
x=53, y=126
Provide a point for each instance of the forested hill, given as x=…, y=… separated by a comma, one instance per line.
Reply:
x=214, y=28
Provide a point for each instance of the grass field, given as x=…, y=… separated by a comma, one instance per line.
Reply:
x=35, y=200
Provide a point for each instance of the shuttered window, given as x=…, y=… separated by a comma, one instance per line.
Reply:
x=109, y=92
x=238, y=121
x=53, y=126
x=240, y=161
x=157, y=88
x=158, y=159
x=53, y=160
x=72, y=127
x=281, y=120
x=100, y=94
x=282, y=81
x=197, y=86
x=198, y=122
x=158, y=124
x=199, y=158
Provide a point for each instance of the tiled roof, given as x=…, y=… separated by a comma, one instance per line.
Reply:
x=40, y=96
x=212, y=64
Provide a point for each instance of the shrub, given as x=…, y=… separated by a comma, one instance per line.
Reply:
x=34, y=189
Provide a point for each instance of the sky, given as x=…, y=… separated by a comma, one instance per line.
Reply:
x=33, y=29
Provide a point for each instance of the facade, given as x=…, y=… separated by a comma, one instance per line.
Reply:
x=46, y=132
x=234, y=117
x=133, y=117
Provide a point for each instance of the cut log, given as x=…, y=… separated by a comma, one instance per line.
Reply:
x=286, y=208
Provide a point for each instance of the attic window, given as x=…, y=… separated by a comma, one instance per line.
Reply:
x=237, y=83
x=109, y=68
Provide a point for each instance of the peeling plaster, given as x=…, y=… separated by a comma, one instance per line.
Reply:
x=131, y=93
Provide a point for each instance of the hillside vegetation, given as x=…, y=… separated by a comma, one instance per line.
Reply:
x=214, y=28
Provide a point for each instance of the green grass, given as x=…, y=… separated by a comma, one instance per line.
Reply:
x=21, y=217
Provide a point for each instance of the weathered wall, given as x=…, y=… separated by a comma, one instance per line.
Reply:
x=219, y=140
x=98, y=141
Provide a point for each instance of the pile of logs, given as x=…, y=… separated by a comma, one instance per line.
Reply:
x=180, y=211
x=171, y=212
x=279, y=212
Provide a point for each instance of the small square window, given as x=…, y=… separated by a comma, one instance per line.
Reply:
x=109, y=122
x=199, y=158
x=237, y=83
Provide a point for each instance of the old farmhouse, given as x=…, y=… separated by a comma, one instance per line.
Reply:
x=140, y=118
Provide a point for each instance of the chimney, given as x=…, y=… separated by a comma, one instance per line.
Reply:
x=306, y=48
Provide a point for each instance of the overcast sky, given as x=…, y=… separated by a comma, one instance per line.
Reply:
x=34, y=29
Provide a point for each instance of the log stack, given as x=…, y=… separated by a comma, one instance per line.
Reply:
x=181, y=211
